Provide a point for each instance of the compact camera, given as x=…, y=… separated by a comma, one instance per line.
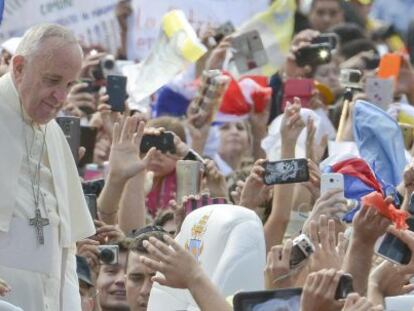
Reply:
x=105, y=67
x=350, y=78
x=302, y=249
x=108, y=254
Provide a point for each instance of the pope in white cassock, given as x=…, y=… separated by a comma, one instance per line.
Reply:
x=42, y=208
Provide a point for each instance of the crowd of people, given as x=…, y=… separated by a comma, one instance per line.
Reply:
x=204, y=218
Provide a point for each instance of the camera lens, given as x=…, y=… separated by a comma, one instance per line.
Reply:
x=331, y=180
x=107, y=256
x=108, y=64
x=354, y=77
x=308, y=249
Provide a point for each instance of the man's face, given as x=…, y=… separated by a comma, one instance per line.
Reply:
x=325, y=14
x=111, y=285
x=44, y=79
x=138, y=282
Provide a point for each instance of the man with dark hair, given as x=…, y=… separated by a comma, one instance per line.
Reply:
x=325, y=13
x=111, y=281
x=138, y=276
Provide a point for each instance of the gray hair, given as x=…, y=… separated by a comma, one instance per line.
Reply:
x=36, y=35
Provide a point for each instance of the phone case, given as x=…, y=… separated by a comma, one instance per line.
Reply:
x=286, y=171
x=163, y=142
x=380, y=91
x=193, y=204
x=302, y=88
x=389, y=66
x=116, y=90
x=331, y=181
x=71, y=128
x=87, y=140
x=249, y=51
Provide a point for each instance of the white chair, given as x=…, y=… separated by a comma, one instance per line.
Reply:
x=229, y=244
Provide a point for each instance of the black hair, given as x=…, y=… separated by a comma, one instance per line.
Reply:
x=357, y=46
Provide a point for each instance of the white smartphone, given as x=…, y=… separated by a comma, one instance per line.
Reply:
x=331, y=181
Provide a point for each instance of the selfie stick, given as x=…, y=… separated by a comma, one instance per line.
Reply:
x=348, y=95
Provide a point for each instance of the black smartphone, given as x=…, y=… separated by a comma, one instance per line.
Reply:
x=87, y=140
x=345, y=286
x=395, y=250
x=71, y=128
x=286, y=171
x=314, y=55
x=92, y=207
x=329, y=38
x=271, y=300
x=116, y=90
x=163, y=142
x=93, y=187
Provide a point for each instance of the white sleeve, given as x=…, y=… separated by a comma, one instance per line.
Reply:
x=70, y=297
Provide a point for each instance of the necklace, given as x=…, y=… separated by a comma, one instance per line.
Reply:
x=37, y=222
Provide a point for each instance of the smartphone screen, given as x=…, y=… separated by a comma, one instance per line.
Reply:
x=395, y=250
x=71, y=128
x=272, y=300
x=329, y=38
x=345, y=286
x=286, y=171
x=249, y=51
x=116, y=90
x=302, y=88
x=91, y=202
x=313, y=55
x=163, y=142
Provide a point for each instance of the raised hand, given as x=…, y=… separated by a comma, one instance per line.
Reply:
x=4, y=288
x=277, y=270
x=292, y=123
x=216, y=182
x=124, y=159
x=354, y=302
x=254, y=192
x=319, y=291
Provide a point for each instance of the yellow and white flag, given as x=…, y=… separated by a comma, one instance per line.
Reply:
x=275, y=27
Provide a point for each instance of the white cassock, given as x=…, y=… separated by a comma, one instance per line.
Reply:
x=42, y=277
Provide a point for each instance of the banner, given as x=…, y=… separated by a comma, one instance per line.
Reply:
x=93, y=22
x=145, y=23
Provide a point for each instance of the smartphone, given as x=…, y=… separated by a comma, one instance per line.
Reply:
x=93, y=187
x=302, y=249
x=314, y=55
x=329, y=38
x=302, y=88
x=91, y=202
x=286, y=171
x=380, y=91
x=408, y=134
x=345, y=286
x=116, y=90
x=331, y=181
x=71, y=128
x=393, y=249
x=389, y=66
x=193, y=204
x=163, y=142
x=87, y=140
x=249, y=52
x=271, y=300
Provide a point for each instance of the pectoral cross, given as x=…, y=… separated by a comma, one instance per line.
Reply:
x=38, y=222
